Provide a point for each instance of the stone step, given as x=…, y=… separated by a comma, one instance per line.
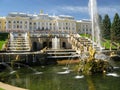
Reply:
x=19, y=43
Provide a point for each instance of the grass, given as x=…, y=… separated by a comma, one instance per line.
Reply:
x=1, y=44
x=2, y=89
x=105, y=43
x=85, y=35
x=3, y=37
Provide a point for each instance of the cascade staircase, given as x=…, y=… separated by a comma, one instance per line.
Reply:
x=19, y=42
x=81, y=44
x=61, y=54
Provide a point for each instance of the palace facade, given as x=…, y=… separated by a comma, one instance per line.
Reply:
x=43, y=22
x=2, y=24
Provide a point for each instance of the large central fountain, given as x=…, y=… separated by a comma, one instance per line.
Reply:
x=95, y=25
x=94, y=63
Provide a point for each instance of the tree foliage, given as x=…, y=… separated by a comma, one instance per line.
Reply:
x=106, y=26
x=115, y=29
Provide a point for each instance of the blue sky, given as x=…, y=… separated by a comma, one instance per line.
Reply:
x=76, y=8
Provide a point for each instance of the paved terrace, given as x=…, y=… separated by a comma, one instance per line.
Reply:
x=10, y=87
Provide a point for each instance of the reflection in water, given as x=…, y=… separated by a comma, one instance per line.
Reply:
x=51, y=80
x=78, y=76
x=65, y=72
x=38, y=72
x=113, y=74
x=12, y=72
x=91, y=85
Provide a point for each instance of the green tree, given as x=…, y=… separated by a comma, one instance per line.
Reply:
x=115, y=29
x=100, y=24
x=106, y=26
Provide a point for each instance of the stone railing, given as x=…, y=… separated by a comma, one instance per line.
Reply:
x=79, y=44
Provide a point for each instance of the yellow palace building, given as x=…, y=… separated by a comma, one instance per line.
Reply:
x=16, y=21
x=2, y=24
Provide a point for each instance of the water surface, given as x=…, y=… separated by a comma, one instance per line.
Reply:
x=50, y=78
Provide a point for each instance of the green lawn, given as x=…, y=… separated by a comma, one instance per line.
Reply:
x=3, y=37
x=85, y=35
x=105, y=43
x=1, y=44
x=2, y=89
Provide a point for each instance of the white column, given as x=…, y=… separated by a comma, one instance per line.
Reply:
x=48, y=26
x=6, y=25
x=45, y=26
x=36, y=25
x=27, y=25
x=12, y=24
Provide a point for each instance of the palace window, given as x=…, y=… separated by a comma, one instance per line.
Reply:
x=14, y=22
x=25, y=22
x=34, y=23
x=42, y=28
x=34, y=28
x=83, y=30
x=25, y=26
x=54, y=28
x=20, y=26
x=14, y=26
x=17, y=26
x=66, y=27
x=9, y=26
x=86, y=29
x=50, y=27
x=20, y=22
x=30, y=23
x=30, y=28
x=9, y=21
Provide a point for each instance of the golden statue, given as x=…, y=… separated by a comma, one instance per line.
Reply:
x=91, y=52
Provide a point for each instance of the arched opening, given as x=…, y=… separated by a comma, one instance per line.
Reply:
x=42, y=28
x=50, y=44
x=63, y=45
x=34, y=46
x=44, y=44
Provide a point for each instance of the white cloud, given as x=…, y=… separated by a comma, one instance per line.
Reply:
x=110, y=10
x=83, y=10
x=75, y=9
x=69, y=10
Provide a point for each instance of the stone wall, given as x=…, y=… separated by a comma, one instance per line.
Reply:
x=39, y=43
